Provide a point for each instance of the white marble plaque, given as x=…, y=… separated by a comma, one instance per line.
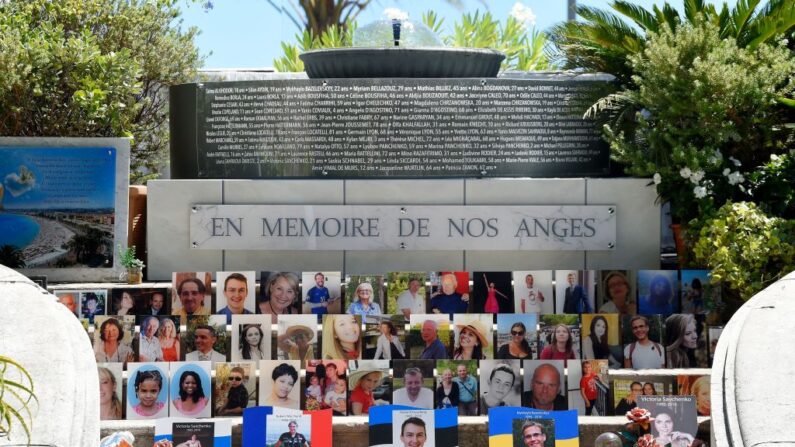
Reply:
x=391, y=227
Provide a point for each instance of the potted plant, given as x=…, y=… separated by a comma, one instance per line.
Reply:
x=134, y=266
x=16, y=397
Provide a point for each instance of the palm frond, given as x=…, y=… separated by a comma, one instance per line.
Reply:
x=640, y=15
x=775, y=19
x=742, y=14
x=694, y=9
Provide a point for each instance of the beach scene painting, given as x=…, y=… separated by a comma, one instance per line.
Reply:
x=57, y=207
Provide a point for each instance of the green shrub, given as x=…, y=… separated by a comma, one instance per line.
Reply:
x=707, y=116
x=94, y=68
x=746, y=249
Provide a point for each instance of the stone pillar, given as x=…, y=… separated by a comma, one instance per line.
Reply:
x=42, y=335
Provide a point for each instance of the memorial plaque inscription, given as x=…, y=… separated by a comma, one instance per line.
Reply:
x=398, y=128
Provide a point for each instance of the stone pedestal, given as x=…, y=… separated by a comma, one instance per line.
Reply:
x=43, y=336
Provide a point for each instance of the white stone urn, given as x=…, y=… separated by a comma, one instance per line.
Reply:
x=47, y=339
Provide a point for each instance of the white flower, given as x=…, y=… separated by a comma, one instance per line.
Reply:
x=742, y=188
x=735, y=178
x=657, y=178
x=726, y=171
x=685, y=172
x=715, y=158
x=523, y=14
x=696, y=177
x=735, y=161
x=700, y=192
x=773, y=157
x=395, y=14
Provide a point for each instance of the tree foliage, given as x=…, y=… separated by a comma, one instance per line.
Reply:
x=94, y=68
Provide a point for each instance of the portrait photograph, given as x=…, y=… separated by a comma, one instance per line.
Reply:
x=279, y=294
x=588, y=387
x=235, y=388
x=406, y=293
x=532, y=291
x=450, y=293
x=322, y=293
x=492, y=292
x=168, y=335
x=517, y=336
x=473, y=337
x=674, y=419
x=326, y=386
x=205, y=339
x=615, y=292
x=296, y=337
x=147, y=342
x=413, y=383
x=544, y=385
x=113, y=338
x=698, y=386
x=251, y=338
x=642, y=337
x=288, y=430
x=193, y=434
x=191, y=294
x=698, y=294
x=457, y=383
x=430, y=337
x=369, y=384
x=279, y=384
x=111, y=405
x=342, y=337
x=574, y=291
x=93, y=303
x=601, y=338
x=147, y=390
x=685, y=341
x=70, y=299
x=533, y=432
x=234, y=293
x=559, y=337
x=413, y=428
x=385, y=337
x=190, y=389
x=658, y=292
x=500, y=384
x=152, y=301
x=364, y=295
x=124, y=301
x=626, y=389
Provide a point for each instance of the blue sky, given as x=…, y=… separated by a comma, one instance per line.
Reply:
x=247, y=33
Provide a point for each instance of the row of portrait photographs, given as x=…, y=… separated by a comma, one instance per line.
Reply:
x=624, y=292
x=629, y=341
x=353, y=387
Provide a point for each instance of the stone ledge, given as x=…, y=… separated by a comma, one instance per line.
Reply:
x=352, y=430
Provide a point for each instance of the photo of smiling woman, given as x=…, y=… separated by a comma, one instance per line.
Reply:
x=342, y=337
x=190, y=389
x=110, y=379
x=251, y=338
x=673, y=423
x=278, y=383
x=279, y=294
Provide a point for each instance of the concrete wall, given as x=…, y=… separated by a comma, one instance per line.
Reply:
x=169, y=202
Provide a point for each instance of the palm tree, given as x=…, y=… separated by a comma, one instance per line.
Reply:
x=605, y=40
x=11, y=256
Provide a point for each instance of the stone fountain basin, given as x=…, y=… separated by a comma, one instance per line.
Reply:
x=400, y=62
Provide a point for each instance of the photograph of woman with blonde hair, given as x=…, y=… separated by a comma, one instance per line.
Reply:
x=279, y=294
x=169, y=339
x=110, y=407
x=364, y=300
x=342, y=337
x=681, y=340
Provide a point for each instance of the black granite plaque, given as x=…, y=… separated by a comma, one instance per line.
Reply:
x=373, y=128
